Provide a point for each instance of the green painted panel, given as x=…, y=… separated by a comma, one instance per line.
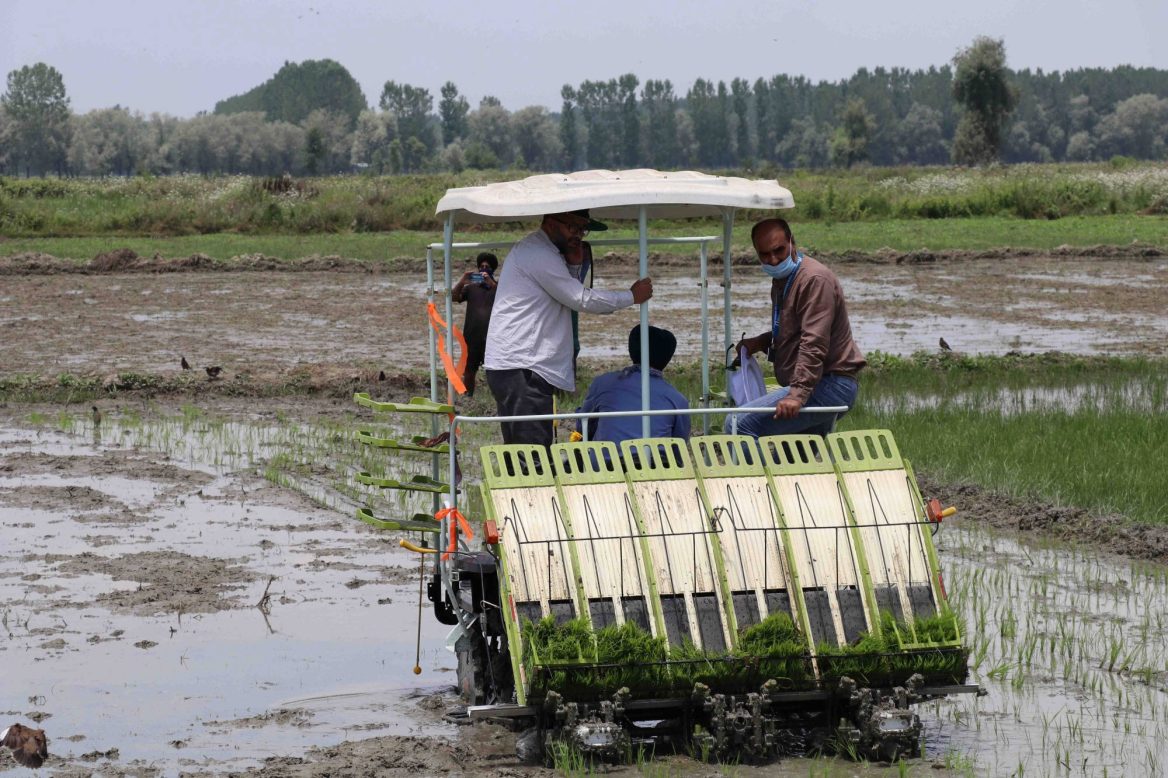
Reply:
x=419, y=522
x=518, y=465
x=415, y=405
x=863, y=450
x=657, y=459
x=726, y=456
x=795, y=455
x=369, y=439
x=594, y=462
x=418, y=483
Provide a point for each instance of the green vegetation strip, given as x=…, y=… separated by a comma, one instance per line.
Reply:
x=373, y=218
x=903, y=235
x=627, y=656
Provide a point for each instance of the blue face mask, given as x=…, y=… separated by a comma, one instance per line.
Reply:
x=783, y=269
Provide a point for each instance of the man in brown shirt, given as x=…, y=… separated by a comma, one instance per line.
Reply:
x=810, y=340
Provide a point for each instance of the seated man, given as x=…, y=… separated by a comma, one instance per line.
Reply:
x=620, y=390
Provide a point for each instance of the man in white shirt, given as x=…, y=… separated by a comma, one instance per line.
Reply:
x=529, y=343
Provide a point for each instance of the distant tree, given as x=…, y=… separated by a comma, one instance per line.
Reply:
x=108, y=141
x=746, y=134
x=371, y=138
x=569, y=139
x=918, y=138
x=1138, y=127
x=453, y=157
x=982, y=88
x=480, y=157
x=537, y=138
x=335, y=142
x=38, y=119
x=687, y=141
x=411, y=107
x=489, y=126
x=600, y=114
x=849, y=144
x=1080, y=147
x=660, y=135
x=806, y=145
x=298, y=89
x=490, y=100
x=452, y=111
x=709, y=123
x=630, y=120
x=314, y=150
x=6, y=142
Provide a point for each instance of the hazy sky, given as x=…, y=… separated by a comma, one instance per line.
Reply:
x=181, y=57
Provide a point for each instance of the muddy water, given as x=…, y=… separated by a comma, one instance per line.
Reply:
x=132, y=566
x=256, y=323
x=1069, y=646
x=130, y=587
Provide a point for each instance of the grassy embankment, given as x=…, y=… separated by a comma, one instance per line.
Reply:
x=1037, y=207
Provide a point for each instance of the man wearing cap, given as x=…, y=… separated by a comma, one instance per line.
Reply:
x=810, y=340
x=529, y=343
x=620, y=390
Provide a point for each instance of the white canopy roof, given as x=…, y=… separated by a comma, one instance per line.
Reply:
x=613, y=194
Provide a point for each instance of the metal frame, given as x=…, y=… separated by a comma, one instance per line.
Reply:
x=642, y=241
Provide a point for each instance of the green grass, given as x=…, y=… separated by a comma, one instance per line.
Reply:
x=897, y=234
x=365, y=217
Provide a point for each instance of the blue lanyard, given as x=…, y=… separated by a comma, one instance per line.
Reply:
x=777, y=309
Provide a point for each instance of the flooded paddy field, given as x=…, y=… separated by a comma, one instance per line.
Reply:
x=185, y=589
x=267, y=324
x=137, y=557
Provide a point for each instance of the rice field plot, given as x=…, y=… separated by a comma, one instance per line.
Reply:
x=1069, y=644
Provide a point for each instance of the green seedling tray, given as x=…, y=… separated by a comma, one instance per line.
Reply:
x=369, y=439
x=415, y=405
x=419, y=522
x=419, y=483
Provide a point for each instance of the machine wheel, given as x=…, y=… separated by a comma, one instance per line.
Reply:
x=484, y=669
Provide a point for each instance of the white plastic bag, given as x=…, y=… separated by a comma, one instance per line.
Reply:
x=745, y=384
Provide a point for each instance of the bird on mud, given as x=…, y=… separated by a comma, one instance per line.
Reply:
x=29, y=746
x=183, y=361
x=945, y=345
x=213, y=371
x=96, y=413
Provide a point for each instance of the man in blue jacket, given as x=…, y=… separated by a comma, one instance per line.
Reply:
x=620, y=390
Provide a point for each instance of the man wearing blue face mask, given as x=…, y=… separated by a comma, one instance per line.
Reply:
x=810, y=340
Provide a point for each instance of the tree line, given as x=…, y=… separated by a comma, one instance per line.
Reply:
x=312, y=118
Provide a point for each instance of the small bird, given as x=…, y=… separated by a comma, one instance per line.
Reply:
x=29, y=746
x=185, y=364
x=96, y=413
x=381, y=376
x=945, y=345
x=213, y=371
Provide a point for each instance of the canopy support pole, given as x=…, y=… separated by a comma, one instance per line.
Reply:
x=435, y=466
x=727, y=235
x=705, y=286
x=447, y=241
x=643, y=235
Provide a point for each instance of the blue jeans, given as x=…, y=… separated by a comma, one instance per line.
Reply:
x=830, y=391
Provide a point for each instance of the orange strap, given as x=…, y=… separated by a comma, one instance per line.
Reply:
x=453, y=372
x=457, y=520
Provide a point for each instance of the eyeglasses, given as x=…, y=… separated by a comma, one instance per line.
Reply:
x=573, y=227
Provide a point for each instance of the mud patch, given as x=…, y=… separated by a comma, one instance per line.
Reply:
x=1109, y=532
x=77, y=498
x=168, y=581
